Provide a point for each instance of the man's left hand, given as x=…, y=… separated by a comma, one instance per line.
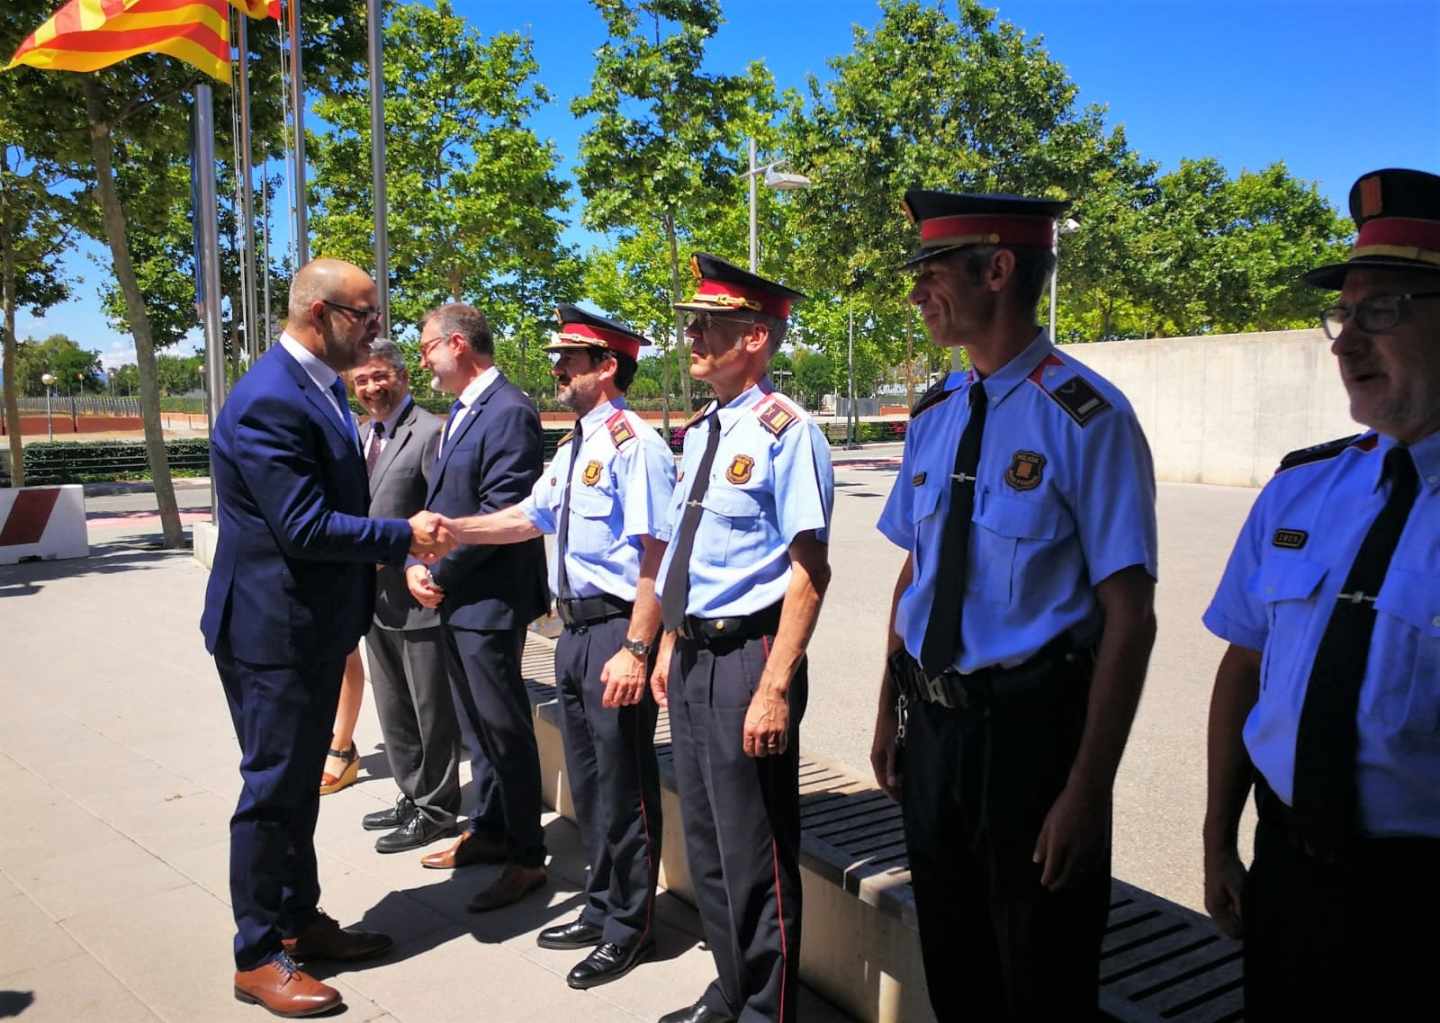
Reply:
x=624, y=679
x=430, y=537
x=1072, y=839
x=767, y=724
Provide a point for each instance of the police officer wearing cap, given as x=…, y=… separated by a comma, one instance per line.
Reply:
x=1020, y=628
x=606, y=496
x=741, y=586
x=1328, y=697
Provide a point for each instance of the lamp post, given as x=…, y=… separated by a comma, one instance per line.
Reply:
x=48, y=379
x=778, y=180
x=1066, y=226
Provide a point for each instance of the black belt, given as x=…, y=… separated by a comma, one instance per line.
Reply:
x=1358, y=847
x=583, y=612
x=731, y=630
x=984, y=688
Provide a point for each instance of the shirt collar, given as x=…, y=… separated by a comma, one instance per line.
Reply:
x=1425, y=452
x=1004, y=380
x=322, y=375
x=475, y=388
x=597, y=415
x=734, y=412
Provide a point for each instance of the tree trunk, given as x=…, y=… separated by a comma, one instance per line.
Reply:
x=675, y=296
x=9, y=293
x=135, y=314
x=909, y=367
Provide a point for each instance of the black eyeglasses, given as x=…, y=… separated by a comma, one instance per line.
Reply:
x=704, y=322
x=1374, y=315
x=360, y=314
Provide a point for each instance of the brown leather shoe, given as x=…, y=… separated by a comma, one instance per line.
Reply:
x=514, y=883
x=470, y=848
x=324, y=938
x=284, y=989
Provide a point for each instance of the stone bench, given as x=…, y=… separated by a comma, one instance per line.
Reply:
x=861, y=948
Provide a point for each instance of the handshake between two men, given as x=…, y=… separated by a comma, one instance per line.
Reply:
x=432, y=536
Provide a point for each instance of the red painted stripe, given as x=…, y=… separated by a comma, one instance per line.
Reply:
x=780, y=919
x=103, y=41
x=28, y=516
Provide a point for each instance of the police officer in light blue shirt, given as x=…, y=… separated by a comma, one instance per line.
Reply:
x=606, y=497
x=1021, y=625
x=741, y=587
x=1328, y=697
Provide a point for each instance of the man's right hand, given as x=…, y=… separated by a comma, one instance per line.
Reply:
x=422, y=587
x=883, y=759
x=1224, y=883
x=660, y=674
x=430, y=536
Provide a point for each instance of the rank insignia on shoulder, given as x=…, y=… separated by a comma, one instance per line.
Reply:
x=591, y=475
x=565, y=439
x=1079, y=399
x=739, y=471
x=918, y=480
x=1318, y=452
x=1027, y=469
x=776, y=416
x=619, y=428
x=1290, y=539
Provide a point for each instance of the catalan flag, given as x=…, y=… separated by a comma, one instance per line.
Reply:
x=87, y=35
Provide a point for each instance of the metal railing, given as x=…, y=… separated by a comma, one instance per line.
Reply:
x=83, y=404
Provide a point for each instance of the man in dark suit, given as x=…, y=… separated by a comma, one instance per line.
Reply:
x=405, y=647
x=291, y=591
x=490, y=458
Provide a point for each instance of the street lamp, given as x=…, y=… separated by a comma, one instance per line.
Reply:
x=48, y=379
x=779, y=180
x=1066, y=226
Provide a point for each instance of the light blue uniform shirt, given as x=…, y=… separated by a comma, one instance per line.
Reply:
x=1277, y=595
x=619, y=494
x=770, y=482
x=1065, y=497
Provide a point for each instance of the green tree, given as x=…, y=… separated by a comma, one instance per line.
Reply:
x=813, y=376
x=125, y=380
x=76, y=370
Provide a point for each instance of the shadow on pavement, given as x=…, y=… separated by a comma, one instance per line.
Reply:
x=30, y=577
x=13, y=1003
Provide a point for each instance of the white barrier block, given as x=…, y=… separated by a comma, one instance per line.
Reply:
x=42, y=522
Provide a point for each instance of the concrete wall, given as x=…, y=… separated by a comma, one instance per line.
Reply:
x=1226, y=408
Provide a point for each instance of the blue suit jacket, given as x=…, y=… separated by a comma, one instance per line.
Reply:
x=293, y=577
x=490, y=461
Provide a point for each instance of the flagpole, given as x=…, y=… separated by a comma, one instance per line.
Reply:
x=247, y=194
x=377, y=161
x=209, y=269
x=297, y=110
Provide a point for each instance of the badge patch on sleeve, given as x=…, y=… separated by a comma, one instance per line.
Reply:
x=1027, y=469
x=1080, y=401
x=1290, y=539
x=591, y=475
x=739, y=471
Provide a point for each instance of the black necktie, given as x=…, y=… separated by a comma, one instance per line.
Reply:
x=562, y=539
x=677, y=578
x=455, y=410
x=942, y=632
x=377, y=434
x=1328, y=737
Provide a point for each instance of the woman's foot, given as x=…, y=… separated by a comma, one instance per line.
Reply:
x=342, y=767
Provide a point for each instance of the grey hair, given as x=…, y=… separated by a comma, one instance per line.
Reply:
x=465, y=320
x=388, y=351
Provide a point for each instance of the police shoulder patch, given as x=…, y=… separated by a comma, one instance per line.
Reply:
x=1317, y=452
x=1078, y=397
x=621, y=432
x=776, y=414
x=932, y=397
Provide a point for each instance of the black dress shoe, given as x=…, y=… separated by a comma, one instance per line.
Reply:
x=394, y=817
x=608, y=962
x=697, y=1013
x=575, y=934
x=417, y=831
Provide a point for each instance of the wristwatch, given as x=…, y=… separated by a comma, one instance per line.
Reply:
x=638, y=647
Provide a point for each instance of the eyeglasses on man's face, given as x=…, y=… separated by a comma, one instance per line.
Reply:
x=362, y=314
x=1373, y=315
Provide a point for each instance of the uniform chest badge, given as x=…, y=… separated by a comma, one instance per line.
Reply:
x=918, y=480
x=740, y=468
x=1290, y=539
x=591, y=475
x=1027, y=469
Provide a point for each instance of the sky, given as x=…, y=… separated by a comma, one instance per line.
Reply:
x=1333, y=88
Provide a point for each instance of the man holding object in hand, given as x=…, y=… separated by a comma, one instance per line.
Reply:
x=291, y=592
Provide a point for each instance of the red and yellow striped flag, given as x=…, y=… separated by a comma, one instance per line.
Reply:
x=87, y=35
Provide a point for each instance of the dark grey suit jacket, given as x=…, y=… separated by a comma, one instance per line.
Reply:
x=397, y=490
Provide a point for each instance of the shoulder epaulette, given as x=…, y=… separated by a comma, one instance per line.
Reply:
x=933, y=396
x=569, y=436
x=620, y=430
x=776, y=414
x=1317, y=452
x=1078, y=397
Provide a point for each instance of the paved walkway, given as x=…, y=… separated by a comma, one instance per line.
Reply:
x=117, y=777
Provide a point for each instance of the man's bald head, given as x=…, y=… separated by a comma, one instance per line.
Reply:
x=334, y=312
x=323, y=280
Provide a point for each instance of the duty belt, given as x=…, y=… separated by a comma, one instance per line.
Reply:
x=581, y=613
x=982, y=689
x=730, y=630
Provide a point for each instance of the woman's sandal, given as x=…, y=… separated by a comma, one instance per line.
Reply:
x=329, y=783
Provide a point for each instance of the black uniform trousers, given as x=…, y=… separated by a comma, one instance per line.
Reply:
x=1349, y=938
x=493, y=710
x=282, y=715
x=977, y=785
x=417, y=717
x=742, y=826
x=614, y=784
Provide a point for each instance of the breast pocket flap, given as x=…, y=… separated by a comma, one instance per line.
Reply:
x=732, y=503
x=1287, y=579
x=1413, y=597
x=1021, y=519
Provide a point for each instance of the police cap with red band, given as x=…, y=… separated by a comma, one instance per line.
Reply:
x=722, y=287
x=1397, y=213
x=951, y=221
x=581, y=329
